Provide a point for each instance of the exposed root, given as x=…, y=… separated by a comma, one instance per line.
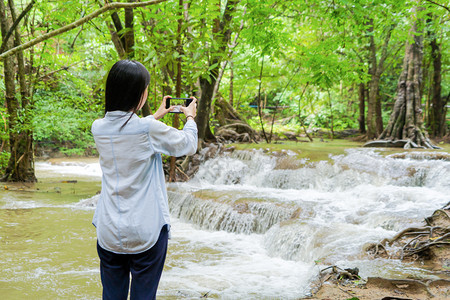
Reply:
x=342, y=274
x=402, y=143
x=378, y=288
x=426, y=243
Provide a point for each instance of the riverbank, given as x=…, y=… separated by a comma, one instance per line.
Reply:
x=427, y=246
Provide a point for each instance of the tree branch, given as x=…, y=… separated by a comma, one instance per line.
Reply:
x=230, y=54
x=65, y=68
x=14, y=25
x=384, y=52
x=443, y=6
x=107, y=7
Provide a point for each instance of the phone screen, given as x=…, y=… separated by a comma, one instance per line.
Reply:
x=178, y=102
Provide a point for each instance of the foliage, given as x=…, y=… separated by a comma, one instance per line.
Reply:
x=4, y=154
x=315, y=55
x=64, y=109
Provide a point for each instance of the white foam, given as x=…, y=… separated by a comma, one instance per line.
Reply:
x=236, y=265
x=70, y=168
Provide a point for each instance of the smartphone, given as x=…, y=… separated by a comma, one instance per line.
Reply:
x=178, y=102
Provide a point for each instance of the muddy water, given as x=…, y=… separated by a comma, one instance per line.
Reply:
x=47, y=246
x=247, y=226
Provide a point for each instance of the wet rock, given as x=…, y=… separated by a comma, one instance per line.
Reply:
x=187, y=167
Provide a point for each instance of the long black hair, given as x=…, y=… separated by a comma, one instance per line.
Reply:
x=126, y=82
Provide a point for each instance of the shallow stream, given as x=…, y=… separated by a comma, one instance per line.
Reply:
x=248, y=226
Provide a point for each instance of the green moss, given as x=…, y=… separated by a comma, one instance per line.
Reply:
x=321, y=150
x=315, y=151
x=445, y=147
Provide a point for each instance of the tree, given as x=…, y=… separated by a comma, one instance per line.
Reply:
x=406, y=121
x=221, y=33
x=21, y=163
x=437, y=111
x=122, y=37
x=73, y=25
x=376, y=68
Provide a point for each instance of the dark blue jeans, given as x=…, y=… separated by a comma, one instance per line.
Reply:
x=145, y=269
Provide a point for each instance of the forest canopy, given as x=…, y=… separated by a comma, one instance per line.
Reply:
x=286, y=67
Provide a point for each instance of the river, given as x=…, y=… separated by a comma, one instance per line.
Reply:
x=249, y=225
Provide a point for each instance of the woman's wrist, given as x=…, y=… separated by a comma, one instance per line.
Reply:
x=157, y=116
x=189, y=116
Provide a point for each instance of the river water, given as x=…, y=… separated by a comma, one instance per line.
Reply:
x=248, y=226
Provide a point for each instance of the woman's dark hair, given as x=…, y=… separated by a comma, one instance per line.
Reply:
x=126, y=82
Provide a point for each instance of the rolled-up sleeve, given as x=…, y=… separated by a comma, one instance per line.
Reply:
x=171, y=141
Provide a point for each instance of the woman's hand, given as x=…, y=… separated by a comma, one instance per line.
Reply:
x=162, y=110
x=191, y=110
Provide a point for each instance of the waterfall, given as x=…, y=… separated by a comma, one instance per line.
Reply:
x=249, y=224
x=308, y=211
x=220, y=212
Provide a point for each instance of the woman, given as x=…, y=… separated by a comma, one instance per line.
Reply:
x=132, y=215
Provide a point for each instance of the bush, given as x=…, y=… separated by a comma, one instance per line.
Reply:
x=62, y=120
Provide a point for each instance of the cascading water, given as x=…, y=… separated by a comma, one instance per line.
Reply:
x=248, y=225
x=323, y=212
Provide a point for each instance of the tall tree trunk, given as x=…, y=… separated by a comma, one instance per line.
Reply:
x=406, y=120
x=123, y=38
x=21, y=163
x=204, y=106
x=259, y=104
x=437, y=111
x=376, y=69
x=302, y=123
x=362, y=107
x=372, y=107
x=124, y=42
x=129, y=31
x=373, y=85
x=378, y=116
x=231, y=96
x=222, y=34
x=116, y=40
x=331, y=115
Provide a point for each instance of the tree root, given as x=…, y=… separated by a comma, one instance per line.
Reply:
x=429, y=244
x=416, y=242
x=401, y=143
x=341, y=274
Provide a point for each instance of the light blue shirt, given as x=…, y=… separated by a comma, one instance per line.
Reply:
x=133, y=206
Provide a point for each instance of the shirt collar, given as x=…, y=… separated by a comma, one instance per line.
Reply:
x=119, y=114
